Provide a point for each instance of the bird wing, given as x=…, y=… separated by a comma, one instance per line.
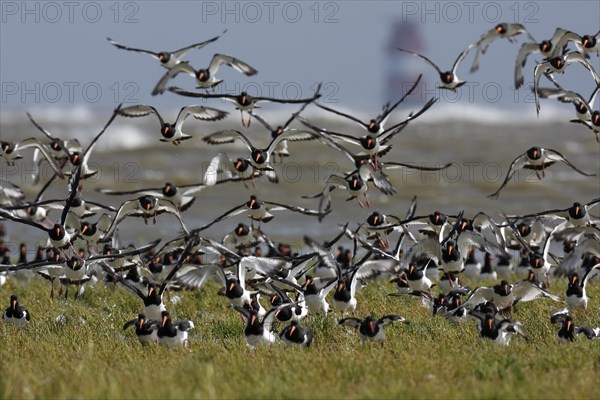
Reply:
x=171, y=74
x=351, y=322
x=35, y=143
x=219, y=163
x=461, y=56
x=524, y=51
x=179, y=53
x=540, y=69
x=388, y=319
x=554, y=155
x=227, y=136
x=122, y=47
x=199, y=112
x=195, y=278
x=386, y=135
x=517, y=164
x=577, y=57
x=479, y=295
x=301, y=210
x=229, y=213
x=88, y=151
x=590, y=274
x=387, y=110
x=527, y=291
x=348, y=116
x=427, y=60
x=291, y=135
x=235, y=63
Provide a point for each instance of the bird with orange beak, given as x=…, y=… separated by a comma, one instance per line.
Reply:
x=15, y=314
x=370, y=329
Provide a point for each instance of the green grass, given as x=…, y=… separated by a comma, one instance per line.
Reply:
x=430, y=358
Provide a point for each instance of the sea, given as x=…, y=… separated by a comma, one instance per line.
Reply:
x=480, y=143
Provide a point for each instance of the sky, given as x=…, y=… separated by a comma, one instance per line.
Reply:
x=55, y=54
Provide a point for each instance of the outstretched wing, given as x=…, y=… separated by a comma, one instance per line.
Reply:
x=422, y=57
x=123, y=47
x=352, y=322
x=179, y=53
x=235, y=63
x=517, y=164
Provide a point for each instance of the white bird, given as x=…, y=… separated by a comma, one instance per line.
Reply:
x=205, y=78
x=168, y=59
x=559, y=65
x=502, y=30
x=450, y=79
x=173, y=132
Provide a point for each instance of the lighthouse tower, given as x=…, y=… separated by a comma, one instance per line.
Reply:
x=401, y=71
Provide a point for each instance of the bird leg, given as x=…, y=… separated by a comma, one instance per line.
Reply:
x=359, y=203
x=367, y=200
x=145, y=218
x=242, y=116
x=154, y=217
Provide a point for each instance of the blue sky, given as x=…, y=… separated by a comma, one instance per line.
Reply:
x=56, y=53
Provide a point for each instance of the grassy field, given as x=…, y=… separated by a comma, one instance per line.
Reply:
x=89, y=356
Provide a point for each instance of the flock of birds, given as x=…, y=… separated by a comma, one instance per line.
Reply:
x=411, y=250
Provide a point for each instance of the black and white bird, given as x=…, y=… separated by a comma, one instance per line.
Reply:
x=559, y=65
x=173, y=333
x=260, y=158
x=567, y=331
x=583, y=109
x=502, y=30
x=205, y=77
x=168, y=59
x=146, y=329
x=58, y=148
x=315, y=294
x=577, y=215
x=259, y=210
x=450, y=79
x=281, y=150
x=223, y=169
x=537, y=159
x=373, y=143
x=11, y=151
x=576, y=289
x=15, y=314
x=505, y=296
x=586, y=44
x=499, y=331
x=173, y=132
x=257, y=331
x=80, y=159
x=179, y=195
x=370, y=329
x=547, y=48
x=153, y=298
x=375, y=126
x=146, y=206
x=296, y=335
x=244, y=101
x=59, y=236
x=356, y=187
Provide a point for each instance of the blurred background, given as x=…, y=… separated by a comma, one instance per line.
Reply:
x=57, y=64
